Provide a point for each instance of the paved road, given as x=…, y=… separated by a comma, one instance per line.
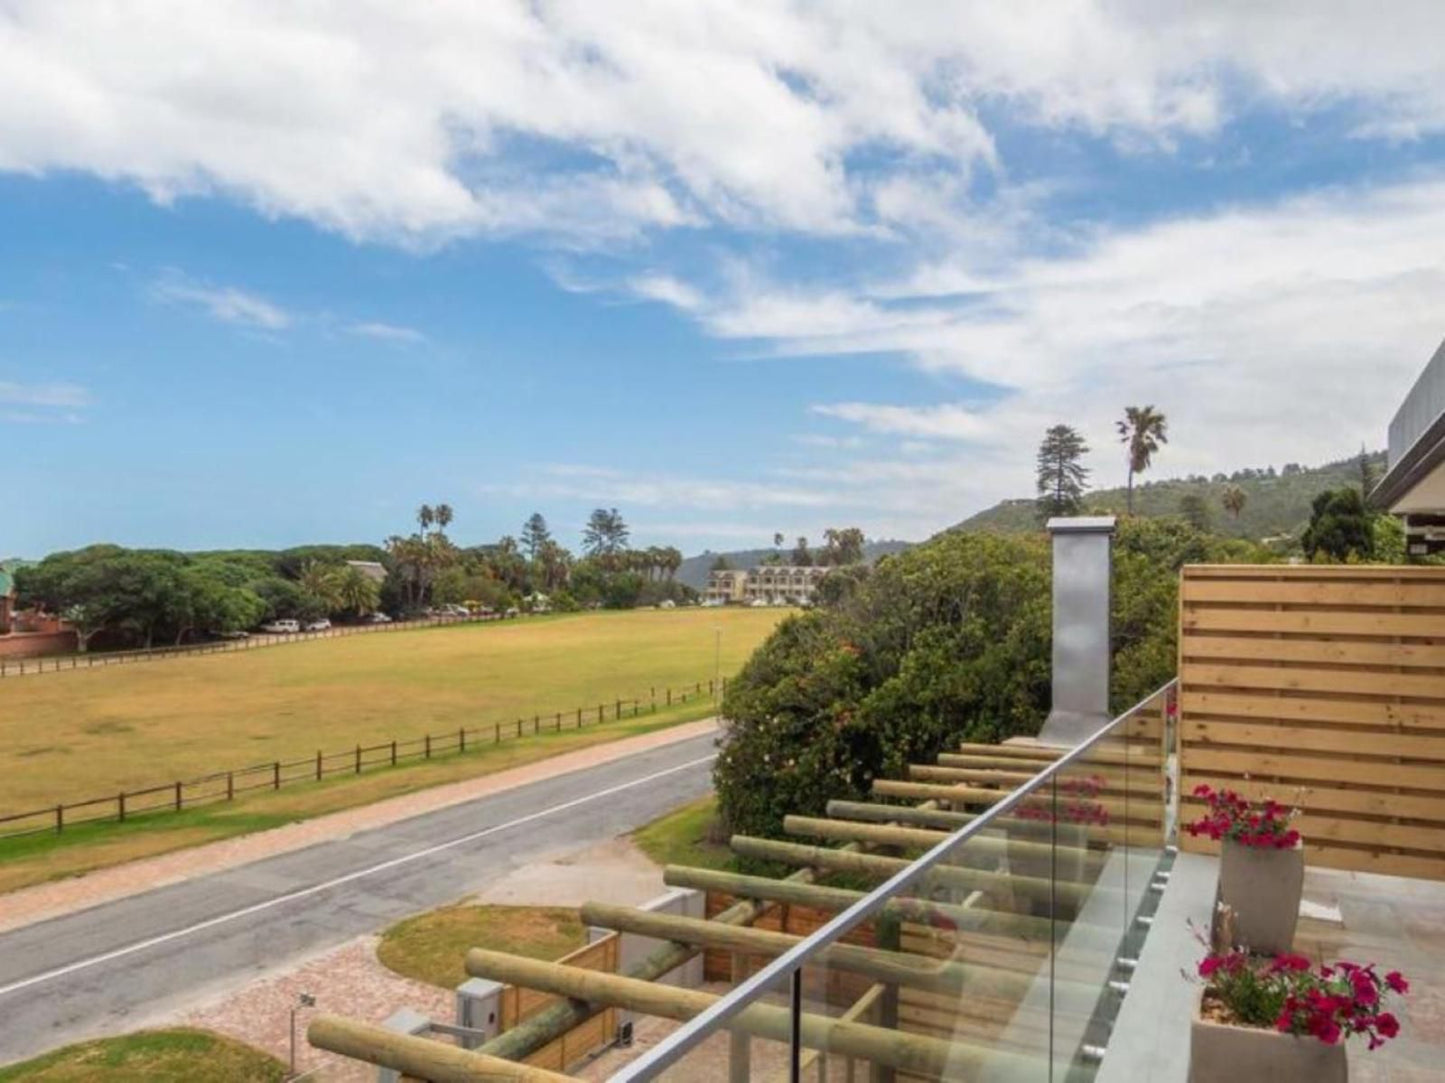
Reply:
x=121, y=964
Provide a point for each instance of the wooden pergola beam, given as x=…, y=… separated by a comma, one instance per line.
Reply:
x=890, y=1048
x=1106, y=752
x=1139, y=808
x=926, y=972
x=419, y=1058
x=920, y=837
x=873, y=812
x=950, y=918
x=875, y=865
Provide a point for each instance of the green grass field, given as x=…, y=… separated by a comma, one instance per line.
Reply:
x=151, y=1056
x=433, y=946
x=77, y=735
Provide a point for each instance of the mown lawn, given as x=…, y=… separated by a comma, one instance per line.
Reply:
x=71, y=736
x=432, y=947
x=155, y=1056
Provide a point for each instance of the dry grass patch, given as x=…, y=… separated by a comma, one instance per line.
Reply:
x=432, y=947
x=153, y=1056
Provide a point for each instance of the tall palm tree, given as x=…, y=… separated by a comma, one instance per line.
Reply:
x=425, y=517
x=1142, y=430
x=1233, y=500
x=778, y=540
x=443, y=515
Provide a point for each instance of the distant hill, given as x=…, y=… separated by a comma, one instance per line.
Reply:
x=1276, y=501
x=693, y=571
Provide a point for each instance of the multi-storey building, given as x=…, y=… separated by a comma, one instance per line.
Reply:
x=783, y=584
x=725, y=587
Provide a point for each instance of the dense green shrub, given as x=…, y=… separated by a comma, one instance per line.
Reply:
x=947, y=642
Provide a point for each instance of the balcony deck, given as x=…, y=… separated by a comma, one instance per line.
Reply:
x=1396, y=922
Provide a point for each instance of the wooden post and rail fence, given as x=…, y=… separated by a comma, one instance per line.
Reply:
x=227, y=785
x=64, y=663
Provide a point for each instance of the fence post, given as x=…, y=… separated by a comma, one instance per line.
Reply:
x=120, y=806
x=710, y=690
x=358, y=759
x=536, y=724
x=59, y=818
x=178, y=796
x=230, y=786
x=461, y=739
x=519, y=727
x=669, y=697
x=599, y=712
x=617, y=710
x=496, y=733
x=579, y=718
x=558, y=727
x=318, y=765
x=276, y=775
x=428, y=750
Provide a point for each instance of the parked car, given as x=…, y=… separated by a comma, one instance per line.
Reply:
x=454, y=610
x=513, y=611
x=233, y=635
x=281, y=627
x=376, y=618
x=318, y=625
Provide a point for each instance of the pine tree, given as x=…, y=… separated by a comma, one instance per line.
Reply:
x=1062, y=478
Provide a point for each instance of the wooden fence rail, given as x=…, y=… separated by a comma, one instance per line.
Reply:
x=64, y=663
x=227, y=785
x=1323, y=687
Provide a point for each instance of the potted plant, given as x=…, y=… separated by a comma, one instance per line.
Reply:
x=1261, y=869
x=1284, y=1020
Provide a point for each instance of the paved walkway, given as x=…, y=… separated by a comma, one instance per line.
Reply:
x=45, y=901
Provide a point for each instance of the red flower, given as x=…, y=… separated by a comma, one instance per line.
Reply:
x=1396, y=982
x=1387, y=1024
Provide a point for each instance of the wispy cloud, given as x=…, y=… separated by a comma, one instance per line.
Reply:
x=229, y=304
x=576, y=481
x=386, y=332
x=48, y=395
x=948, y=421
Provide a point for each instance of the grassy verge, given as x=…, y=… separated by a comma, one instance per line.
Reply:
x=154, y=1056
x=431, y=947
x=84, y=847
x=689, y=835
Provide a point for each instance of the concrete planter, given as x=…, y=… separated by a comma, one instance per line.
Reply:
x=1261, y=887
x=1225, y=1054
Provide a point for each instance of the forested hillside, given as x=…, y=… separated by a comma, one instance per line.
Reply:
x=1277, y=501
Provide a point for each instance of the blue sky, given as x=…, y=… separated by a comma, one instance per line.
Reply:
x=277, y=277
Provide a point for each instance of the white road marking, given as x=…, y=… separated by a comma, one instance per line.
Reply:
x=314, y=889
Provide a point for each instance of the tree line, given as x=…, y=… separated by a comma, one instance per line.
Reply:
x=118, y=597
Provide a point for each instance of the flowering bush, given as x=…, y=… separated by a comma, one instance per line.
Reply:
x=1291, y=995
x=1265, y=825
x=1079, y=804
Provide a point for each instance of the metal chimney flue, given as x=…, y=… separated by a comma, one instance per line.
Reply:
x=1083, y=567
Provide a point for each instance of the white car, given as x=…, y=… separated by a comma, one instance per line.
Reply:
x=318, y=625
x=377, y=618
x=281, y=627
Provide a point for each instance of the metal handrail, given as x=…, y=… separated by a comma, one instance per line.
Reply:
x=686, y=1038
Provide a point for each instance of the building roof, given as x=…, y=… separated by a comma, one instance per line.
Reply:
x=372, y=569
x=1415, y=480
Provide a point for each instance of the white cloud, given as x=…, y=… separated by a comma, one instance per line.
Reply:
x=44, y=395
x=577, y=119
x=947, y=421
x=572, y=481
x=225, y=303
x=386, y=332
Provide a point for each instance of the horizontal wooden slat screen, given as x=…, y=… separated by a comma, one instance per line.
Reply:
x=1323, y=687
